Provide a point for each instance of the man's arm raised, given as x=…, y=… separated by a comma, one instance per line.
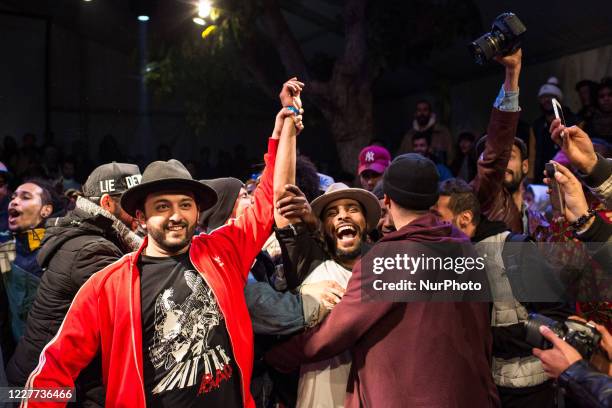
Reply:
x=247, y=234
x=284, y=172
x=500, y=132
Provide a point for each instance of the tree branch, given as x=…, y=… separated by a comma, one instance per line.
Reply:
x=288, y=48
x=355, y=46
x=291, y=54
x=255, y=66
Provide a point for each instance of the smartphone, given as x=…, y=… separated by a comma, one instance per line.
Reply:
x=556, y=194
x=558, y=109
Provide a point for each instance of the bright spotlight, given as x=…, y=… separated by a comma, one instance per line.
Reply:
x=143, y=18
x=204, y=8
x=199, y=21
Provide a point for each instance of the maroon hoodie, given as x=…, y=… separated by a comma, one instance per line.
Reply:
x=404, y=354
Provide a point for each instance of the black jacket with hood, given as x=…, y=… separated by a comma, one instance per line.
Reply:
x=75, y=247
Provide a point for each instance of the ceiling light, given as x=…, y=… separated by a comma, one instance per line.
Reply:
x=199, y=21
x=204, y=8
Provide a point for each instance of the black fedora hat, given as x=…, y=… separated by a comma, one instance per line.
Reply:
x=171, y=176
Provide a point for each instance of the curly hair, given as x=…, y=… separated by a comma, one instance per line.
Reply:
x=306, y=177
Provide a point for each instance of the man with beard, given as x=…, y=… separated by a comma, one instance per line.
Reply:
x=541, y=147
x=92, y=236
x=502, y=162
x=533, y=223
x=346, y=215
x=170, y=319
x=428, y=354
x=31, y=204
x=425, y=120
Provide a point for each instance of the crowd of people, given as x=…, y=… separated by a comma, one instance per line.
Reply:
x=159, y=289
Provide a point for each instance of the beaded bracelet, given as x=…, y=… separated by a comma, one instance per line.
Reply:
x=293, y=109
x=582, y=220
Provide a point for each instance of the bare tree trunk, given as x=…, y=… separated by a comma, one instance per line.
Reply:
x=346, y=100
x=351, y=113
x=351, y=119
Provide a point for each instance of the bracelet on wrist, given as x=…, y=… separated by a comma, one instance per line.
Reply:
x=582, y=220
x=293, y=109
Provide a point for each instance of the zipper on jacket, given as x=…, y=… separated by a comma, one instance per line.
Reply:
x=144, y=396
x=226, y=328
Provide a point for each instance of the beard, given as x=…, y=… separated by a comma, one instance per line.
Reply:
x=344, y=255
x=159, y=236
x=422, y=120
x=547, y=111
x=517, y=179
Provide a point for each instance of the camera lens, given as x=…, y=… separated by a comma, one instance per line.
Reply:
x=503, y=39
x=532, y=330
x=484, y=48
x=533, y=336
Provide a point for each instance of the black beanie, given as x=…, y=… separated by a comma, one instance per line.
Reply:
x=412, y=181
x=378, y=190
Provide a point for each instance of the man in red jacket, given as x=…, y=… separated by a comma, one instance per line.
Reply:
x=170, y=320
x=425, y=354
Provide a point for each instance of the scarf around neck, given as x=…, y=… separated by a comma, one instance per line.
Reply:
x=126, y=236
x=418, y=128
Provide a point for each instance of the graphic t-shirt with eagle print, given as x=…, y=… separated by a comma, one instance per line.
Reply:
x=187, y=354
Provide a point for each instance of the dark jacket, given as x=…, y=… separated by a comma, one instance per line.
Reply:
x=6, y=338
x=587, y=387
x=4, y=332
x=302, y=252
x=22, y=279
x=404, y=354
x=598, y=238
x=495, y=200
x=75, y=247
x=600, y=180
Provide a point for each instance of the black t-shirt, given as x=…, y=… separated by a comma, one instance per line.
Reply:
x=187, y=354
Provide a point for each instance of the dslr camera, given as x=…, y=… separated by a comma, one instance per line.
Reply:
x=503, y=39
x=584, y=337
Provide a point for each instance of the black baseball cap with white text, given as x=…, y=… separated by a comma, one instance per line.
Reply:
x=111, y=178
